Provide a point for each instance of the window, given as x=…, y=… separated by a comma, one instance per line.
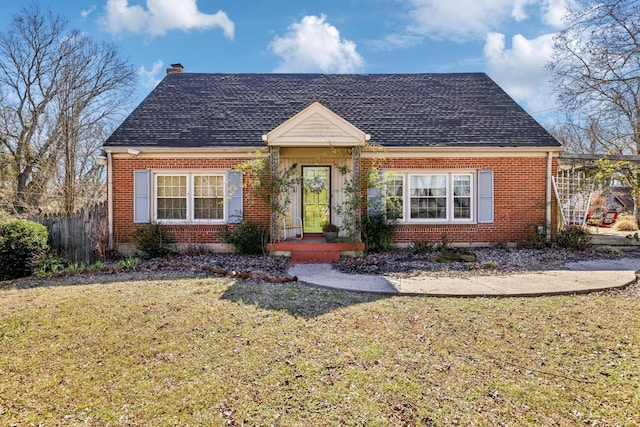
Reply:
x=189, y=197
x=430, y=197
x=394, y=192
x=172, y=197
x=462, y=196
x=208, y=197
x=441, y=197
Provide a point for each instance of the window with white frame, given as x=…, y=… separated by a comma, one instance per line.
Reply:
x=426, y=197
x=461, y=196
x=189, y=197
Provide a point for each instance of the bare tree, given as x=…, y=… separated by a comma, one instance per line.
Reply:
x=60, y=91
x=581, y=138
x=596, y=71
x=596, y=68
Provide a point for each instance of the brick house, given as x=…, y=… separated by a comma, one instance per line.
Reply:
x=456, y=155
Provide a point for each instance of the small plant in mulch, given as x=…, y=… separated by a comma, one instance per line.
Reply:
x=422, y=247
x=574, y=237
x=534, y=239
x=378, y=232
x=448, y=253
x=152, y=239
x=248, y=238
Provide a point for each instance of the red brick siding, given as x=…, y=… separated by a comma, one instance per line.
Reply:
x=255, y=209
x=519, y=199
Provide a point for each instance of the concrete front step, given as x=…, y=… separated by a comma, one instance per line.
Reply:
x=315, y=250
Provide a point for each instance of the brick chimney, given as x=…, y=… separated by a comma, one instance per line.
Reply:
x=175, y=68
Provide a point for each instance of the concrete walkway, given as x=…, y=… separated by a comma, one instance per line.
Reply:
x=575, y=277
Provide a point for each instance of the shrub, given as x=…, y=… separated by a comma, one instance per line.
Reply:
x=534, y=239
x=378, y=232
x=502, y=245
x=152, y=239
x=248, y=238
x=22, y=242
x=574, y=237
x=421, y=247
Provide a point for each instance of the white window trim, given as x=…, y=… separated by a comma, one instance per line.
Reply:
x=406, y=200
x=190, y=196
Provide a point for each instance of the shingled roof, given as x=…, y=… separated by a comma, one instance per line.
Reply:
x=427, y=110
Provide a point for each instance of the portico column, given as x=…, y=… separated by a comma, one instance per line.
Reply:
x=355, y=179
x=274, y=160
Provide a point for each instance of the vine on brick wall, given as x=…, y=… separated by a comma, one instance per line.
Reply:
x=276, y=190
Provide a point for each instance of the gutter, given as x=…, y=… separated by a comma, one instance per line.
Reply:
x=110, y=198
x=548, y=196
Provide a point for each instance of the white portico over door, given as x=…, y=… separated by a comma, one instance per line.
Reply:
x=320, y=142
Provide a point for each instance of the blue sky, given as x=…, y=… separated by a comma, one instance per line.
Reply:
x=510, y=40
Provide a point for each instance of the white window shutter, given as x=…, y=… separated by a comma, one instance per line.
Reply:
x=375, y=200
x=485, y=196
x=234, y=197
x=141, y=196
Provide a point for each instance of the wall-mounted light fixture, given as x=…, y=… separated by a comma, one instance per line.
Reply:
x=133, y=152
x=101, y=158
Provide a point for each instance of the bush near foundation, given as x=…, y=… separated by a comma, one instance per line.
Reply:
x=574, y=237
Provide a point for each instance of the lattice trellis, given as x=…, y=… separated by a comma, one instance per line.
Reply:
x=573, y=192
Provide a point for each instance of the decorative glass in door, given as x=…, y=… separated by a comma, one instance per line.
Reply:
x=316, y=197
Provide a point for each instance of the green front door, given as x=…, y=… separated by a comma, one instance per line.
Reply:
x=316, y=197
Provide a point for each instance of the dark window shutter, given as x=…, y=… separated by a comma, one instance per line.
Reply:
x=141, y=196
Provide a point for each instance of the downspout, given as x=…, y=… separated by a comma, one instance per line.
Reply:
x=548, y=195
x=110, y=198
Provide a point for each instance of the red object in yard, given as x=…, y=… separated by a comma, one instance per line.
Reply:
x=608, y=219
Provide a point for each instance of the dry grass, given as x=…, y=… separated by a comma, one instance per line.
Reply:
x=171, y=350
x=625, y=225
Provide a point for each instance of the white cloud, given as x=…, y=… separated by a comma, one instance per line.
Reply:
x=315, y=45
x=519, y=12
x=151, y=78
x=465, y=20
x=161, y=16
x=553, y=11
x=88, y=12
x=462, y=19
x=520, y=71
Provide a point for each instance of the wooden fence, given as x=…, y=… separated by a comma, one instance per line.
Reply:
x=80, y=236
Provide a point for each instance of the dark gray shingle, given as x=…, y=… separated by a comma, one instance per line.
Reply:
x=200, y=110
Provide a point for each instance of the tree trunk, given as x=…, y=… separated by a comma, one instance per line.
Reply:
x=21, y=196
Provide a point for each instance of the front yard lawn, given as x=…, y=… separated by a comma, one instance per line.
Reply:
x=165, y=349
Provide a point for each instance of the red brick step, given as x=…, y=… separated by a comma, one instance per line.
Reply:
x=314, y=250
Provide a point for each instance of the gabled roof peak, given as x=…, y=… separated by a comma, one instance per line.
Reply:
x=316, y=125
